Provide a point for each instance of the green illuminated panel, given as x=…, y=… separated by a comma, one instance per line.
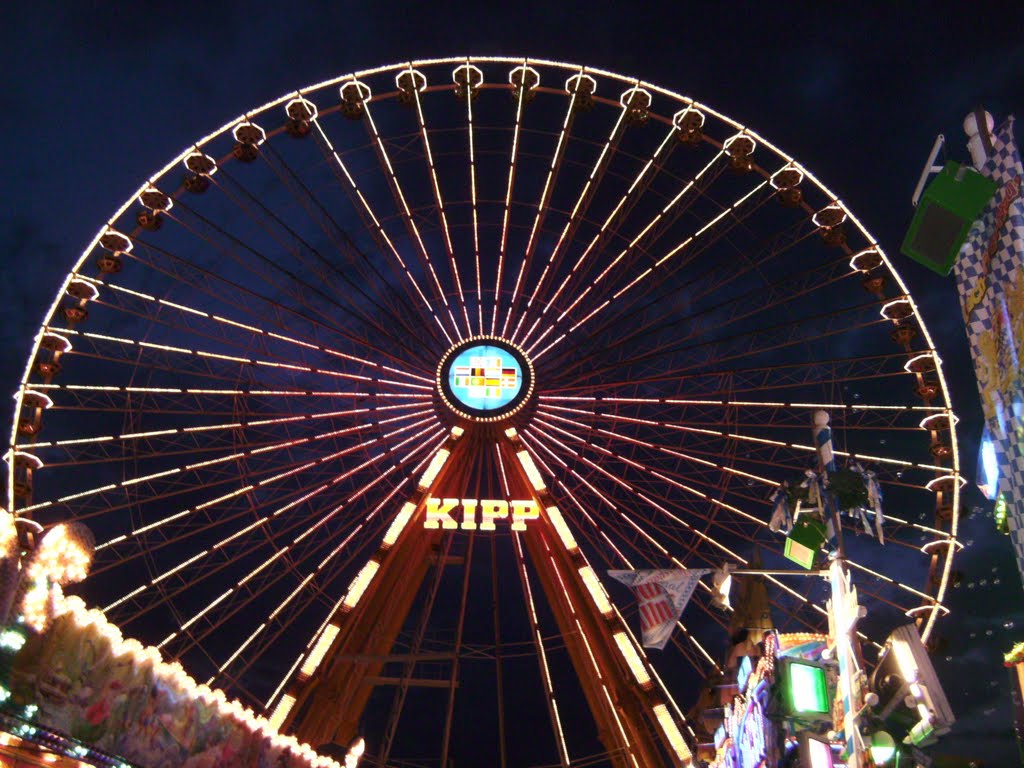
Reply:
x=807, y=689
x=799, y=554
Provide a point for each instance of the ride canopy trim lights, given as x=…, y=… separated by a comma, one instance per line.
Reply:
x=485, y=378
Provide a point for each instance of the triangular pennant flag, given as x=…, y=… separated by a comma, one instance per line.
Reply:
x=662, y=595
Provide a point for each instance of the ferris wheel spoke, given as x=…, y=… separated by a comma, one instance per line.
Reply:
x=414, y=648
x=314, y=588
x=595, y=670
x=256, y=593
x=806, y=332
x=641, y=306
x=286, y=559
x=191, y=321
x=658, y=268
x=924, y=598
x=655, y=549
x=663, y=475
x=250, y=260
x=471, y=151
x=307, y=652
x=720, y=467
x=707, y=661
x=712, y=484
x=369, y=276
x=620, y=213
x=576, y=216
x=659, y=316
x=457, y=647
x=374, y=225
x=264, y=452
x=105, y=499
x=633, y=521
x=403, y=206
x=798, y=375
x=193, y=571
x=542, y=209
x=322, y=269
x=439, y=200
x=796, y=449
x=290, y=609
x=247, y=301
x=662, y=502
x=327, y=479
x=786, y=420
x=643, y=245
x=857, y=415
x=507, y=206
x=663, y=508
x=251, y=589
x=542, y=658
x=201, y=438
x=202, y=361
x=641, y=242
x=696, y=451
x=631, y=542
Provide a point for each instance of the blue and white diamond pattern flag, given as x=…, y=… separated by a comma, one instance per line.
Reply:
x=990, y=281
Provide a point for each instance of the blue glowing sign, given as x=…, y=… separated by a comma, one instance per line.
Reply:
x=485, y=378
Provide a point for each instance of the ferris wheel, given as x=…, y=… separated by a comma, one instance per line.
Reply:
x=363, y=393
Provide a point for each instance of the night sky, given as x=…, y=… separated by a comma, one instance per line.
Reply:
x=94, y=99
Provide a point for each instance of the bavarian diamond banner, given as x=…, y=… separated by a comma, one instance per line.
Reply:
x=990, y=281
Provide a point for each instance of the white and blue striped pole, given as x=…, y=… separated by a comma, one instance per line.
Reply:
x=827, y=460
x=823, y=441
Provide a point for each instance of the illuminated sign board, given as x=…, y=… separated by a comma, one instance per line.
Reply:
x=485, y=378
x=815, y=752
x=442, y=513
x=750, y=735
x=806, y=687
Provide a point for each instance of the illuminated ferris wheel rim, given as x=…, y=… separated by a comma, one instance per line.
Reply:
x=469, y=61
x=558, y=408
x=459, y=61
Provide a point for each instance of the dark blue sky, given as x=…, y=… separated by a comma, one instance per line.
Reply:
x=94, y=99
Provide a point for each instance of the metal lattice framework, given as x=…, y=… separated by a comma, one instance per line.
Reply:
x=235, y=389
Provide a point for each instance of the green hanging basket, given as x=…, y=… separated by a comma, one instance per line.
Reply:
x=849, y=489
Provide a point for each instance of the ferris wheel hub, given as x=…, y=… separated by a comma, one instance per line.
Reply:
x=485, y=378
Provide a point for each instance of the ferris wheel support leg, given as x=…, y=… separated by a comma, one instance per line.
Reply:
x=633, y=720
x=329, y=699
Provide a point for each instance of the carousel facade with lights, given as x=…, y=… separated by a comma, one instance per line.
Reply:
x=334, y=432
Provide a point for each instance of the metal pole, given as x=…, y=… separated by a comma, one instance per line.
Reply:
x=842, y=608
x=765, y=572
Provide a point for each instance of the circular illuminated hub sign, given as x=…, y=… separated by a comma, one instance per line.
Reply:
x=485, y=378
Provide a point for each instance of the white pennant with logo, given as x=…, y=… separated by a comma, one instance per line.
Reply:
x=662, y=595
